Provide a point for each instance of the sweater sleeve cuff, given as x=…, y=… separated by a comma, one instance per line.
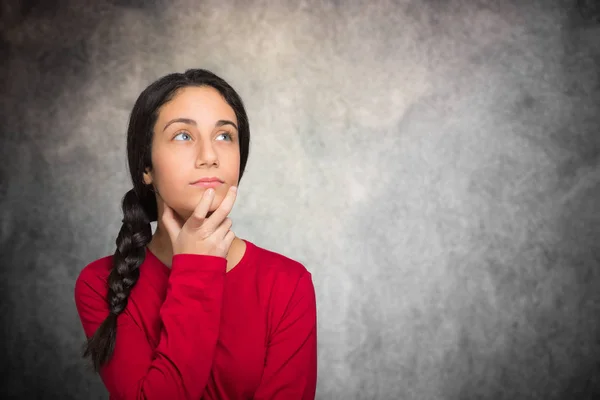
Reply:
x=198, y=263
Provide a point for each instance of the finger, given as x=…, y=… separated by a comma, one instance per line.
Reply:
x=172, y=222
x=223, y=210
x=228, y=240
x=199, y=215
x=224, y=228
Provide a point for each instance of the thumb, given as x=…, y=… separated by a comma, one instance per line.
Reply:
x=171, y=222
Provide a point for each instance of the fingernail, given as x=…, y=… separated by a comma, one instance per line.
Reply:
x=233, y=189
x=210, y=191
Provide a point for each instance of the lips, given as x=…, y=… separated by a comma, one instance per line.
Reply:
x=212, y=182
x=207, y=180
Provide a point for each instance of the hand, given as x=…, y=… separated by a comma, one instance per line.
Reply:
x=200, y=235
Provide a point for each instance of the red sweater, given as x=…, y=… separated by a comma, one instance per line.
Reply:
x=194, y=331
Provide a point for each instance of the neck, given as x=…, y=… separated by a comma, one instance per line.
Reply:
x=160, y=245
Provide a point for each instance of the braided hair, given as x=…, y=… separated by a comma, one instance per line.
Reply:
x=139, y=204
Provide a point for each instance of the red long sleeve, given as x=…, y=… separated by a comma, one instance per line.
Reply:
x=194, y=331
x=291, y=362
x=178, y=368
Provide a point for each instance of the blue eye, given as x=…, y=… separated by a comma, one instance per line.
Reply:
x=225, y=134
x=182, y=133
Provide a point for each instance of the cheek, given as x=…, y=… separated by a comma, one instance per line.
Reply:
x=170, y=173
x=232, y=160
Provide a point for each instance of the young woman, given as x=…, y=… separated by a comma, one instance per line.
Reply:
x=192, y=311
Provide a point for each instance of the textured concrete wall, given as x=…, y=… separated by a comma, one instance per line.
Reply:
x=434, y=164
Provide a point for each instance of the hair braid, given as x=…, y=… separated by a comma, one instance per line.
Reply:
x=133, y=237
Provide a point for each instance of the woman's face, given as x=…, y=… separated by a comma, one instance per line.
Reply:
x=195, y=137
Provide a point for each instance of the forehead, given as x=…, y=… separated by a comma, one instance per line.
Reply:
x=203, y=104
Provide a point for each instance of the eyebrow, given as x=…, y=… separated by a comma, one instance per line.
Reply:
x=189, y=121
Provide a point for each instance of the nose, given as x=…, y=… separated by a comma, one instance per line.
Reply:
x=207, y=157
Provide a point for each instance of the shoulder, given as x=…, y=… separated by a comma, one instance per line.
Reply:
x=93, y=277
x=90, y=293
x=287, y=290
x=280, y=271
x=274, y=263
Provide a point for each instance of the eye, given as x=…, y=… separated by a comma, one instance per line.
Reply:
x=183, y=134
x=226, y=134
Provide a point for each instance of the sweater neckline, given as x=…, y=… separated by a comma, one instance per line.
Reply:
x=246, y=257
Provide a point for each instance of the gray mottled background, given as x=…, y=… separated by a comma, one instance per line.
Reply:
x=435, y=165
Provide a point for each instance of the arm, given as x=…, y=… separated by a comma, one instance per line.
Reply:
x=291, y=363
x=180, y=365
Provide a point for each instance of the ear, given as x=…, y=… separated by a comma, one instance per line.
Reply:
x=148, y=177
